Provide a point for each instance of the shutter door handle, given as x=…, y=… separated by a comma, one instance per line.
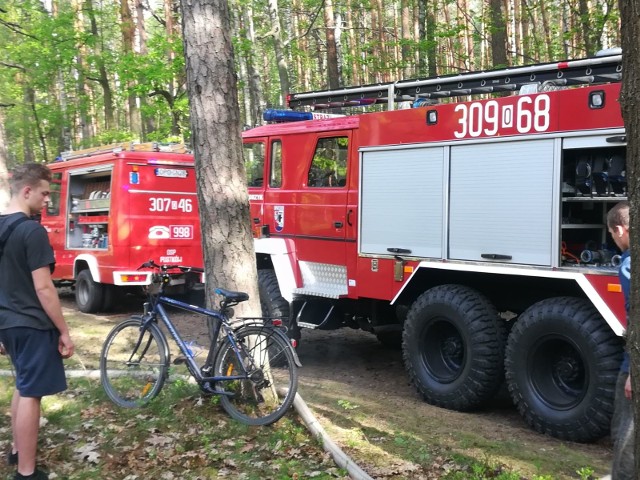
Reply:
x=495, y=256
x=338, y=224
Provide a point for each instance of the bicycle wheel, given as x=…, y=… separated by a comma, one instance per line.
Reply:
x=272, y=380
x=133, y=365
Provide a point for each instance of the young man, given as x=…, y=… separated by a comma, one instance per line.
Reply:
x=32, y=328
x=622, y=430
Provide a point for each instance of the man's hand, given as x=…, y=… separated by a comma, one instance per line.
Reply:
x=627, y=387
x=65, y=346
x=2, y=349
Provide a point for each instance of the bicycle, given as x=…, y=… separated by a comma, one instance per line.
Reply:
x=247, y=365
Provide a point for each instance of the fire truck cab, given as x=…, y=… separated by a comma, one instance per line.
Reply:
x=471, y=233
x=114, y=208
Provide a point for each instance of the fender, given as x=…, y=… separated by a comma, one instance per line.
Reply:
x=588, y=286
x=92, y=263
x=285, y=263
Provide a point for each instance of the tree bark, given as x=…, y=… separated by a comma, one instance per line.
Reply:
x=216, y=136
x=103, y=78
x=255, y=86
x=128, y=29
x=407, y=59
x=498, y=31
x=629, y=99
x=332, y=53
x=276, y=34
x=147, y=121
x=82, y=88
x=354, y=49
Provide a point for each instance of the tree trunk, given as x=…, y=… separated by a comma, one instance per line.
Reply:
x=215, y=125
x=30, y=101
x=128, y=29
x=407, y=59
x=255, y=84
x=283, y=69
x=82, y=88
x=147, y=121
x=630, y=15
x=547, y=31
x=332, y=54
x=103, y=78
x=498, y=31
x=354, y=49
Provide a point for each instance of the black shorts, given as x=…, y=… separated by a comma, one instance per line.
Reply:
x=36, y=359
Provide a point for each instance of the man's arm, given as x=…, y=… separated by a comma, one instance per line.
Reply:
x=48, y=296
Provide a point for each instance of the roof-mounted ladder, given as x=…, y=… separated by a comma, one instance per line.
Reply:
x=599, y=69
x=124, y=146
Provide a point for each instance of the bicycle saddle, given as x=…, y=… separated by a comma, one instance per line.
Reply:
x=232, y=296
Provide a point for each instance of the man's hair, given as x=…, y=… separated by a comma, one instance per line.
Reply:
x=618, y=215
x=28, y=174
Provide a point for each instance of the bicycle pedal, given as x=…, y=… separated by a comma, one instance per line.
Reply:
x=179, y=361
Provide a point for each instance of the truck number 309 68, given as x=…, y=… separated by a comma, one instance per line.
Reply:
x=163, y=204
x=528, y=115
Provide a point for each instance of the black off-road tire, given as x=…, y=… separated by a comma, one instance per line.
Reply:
x=108, y=297
x=562, y=362
x=273, y=304
x=89, y=294
x=453, y=347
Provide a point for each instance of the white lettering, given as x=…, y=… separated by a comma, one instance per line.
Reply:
x=528, y=115
x=163, y=204
x=175, y=259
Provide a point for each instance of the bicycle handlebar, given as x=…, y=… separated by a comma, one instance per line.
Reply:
x=165, y=268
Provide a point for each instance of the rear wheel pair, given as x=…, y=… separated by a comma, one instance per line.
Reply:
x=134, y=368
x=561, y=359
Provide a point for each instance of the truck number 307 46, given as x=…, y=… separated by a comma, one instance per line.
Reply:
x=488, y=118
x=163, y=204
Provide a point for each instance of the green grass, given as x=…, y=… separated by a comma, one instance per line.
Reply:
x=181, y=435
x=178, y=436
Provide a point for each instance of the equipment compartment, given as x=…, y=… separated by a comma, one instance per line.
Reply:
x=593, y=181
x=89, y=204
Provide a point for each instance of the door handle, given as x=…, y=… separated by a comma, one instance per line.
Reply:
x=349, y=213
x=256, y=220
x=338, y=224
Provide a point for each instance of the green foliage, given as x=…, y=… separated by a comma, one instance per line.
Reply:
x=347, y=405
x=178, y=436
x=111, y=136
x=51, y=63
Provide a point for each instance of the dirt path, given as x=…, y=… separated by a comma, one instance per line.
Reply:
x=359, y=390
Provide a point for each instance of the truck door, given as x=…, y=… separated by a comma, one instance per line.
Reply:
x=254, y=156
x=320, y=218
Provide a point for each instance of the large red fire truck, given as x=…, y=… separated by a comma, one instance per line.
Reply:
x=473, y=232
x=112, y=209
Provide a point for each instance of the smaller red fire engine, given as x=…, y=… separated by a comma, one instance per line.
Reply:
x=112, y=209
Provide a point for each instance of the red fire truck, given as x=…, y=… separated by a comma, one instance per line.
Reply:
x=112, y=209
x=471, y=232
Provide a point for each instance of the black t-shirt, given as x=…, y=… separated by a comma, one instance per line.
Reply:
x=27, y=250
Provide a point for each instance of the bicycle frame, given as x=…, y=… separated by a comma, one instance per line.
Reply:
x=157, y=310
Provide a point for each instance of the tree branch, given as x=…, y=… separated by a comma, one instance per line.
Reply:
x=14, y=27
x=13, y=65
